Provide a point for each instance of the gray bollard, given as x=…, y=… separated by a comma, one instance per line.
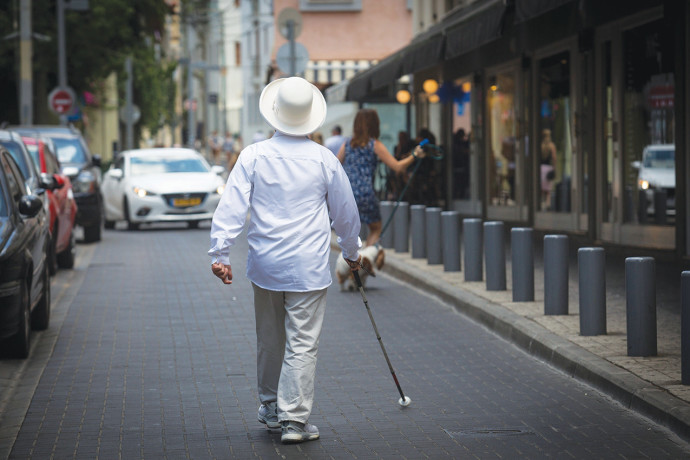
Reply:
x=450, y=231
x=640, y=304
x=433, y=236
x=685, y=328
x=387, y=236
x=473, y=242
x=401, y=221
x=591, y=266
x=555, y=275
x=495, y=256
x=418, y=230
x=522, y=256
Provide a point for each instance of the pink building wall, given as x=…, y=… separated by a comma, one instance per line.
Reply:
x=379, y=29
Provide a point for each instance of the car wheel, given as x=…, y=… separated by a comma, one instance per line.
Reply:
x=66, y=258
x=193, y=224
x=51, y=257
x=92, y=233
x=20, y=343
x=109, y=224
x=40, y=317
x=130, y=225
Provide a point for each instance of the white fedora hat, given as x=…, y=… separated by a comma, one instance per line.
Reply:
x=293, y=106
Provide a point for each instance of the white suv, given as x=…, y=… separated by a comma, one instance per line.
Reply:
x=657, y=171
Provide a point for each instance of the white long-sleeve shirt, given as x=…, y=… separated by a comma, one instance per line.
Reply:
x=291, y=186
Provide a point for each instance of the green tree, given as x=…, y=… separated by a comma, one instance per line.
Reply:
x=97, y=43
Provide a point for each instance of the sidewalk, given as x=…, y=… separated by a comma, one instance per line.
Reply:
x=649, y=385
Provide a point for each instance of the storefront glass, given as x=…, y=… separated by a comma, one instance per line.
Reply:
x=555, y=142
x=649, y=125
x=607, y=81
x=501, y=129
x=462, y=135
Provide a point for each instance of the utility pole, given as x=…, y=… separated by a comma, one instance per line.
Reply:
x=62, y=52
x=26, y=103
x=129, y=121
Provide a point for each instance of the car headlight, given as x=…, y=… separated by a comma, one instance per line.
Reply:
x=85, y=182
x=141, y=193
x=220, y=189
x=643, y=184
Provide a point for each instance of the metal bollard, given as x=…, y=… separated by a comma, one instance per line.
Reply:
x=640, y=303
x=495, y=256
x=685, y=328
x=386, y=211
x=450, y=231
x=591, y=265
x=418, y=230
x=522, y=256
x=473, y=242
x=555, y=275
x=433, y=236
x=401, y=220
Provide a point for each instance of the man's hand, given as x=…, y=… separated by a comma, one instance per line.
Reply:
x=222, y=271
x=354, y=264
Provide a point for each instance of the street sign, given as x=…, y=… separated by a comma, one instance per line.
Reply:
x=283, y=58
x=136, y=114
x=289, y=17
x=61, y=100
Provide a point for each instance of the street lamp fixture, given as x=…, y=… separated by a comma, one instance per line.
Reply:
x=403, y=96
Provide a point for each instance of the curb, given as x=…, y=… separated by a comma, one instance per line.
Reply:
x=625, y=387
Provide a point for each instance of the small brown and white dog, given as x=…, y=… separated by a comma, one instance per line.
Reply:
x=372, y=259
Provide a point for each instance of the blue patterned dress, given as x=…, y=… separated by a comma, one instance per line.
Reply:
x=359, y=165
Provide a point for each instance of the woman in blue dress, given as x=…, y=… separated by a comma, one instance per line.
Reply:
x=359, y=157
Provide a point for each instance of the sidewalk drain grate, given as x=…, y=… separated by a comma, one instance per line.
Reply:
x=487, y=433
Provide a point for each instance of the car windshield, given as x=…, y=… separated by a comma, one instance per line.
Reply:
x=660, y=159
x=16, y=152
x=158, y=165
x=69, y=150
x=33, y=150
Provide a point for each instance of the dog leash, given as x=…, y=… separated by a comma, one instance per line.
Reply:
x=437, y=156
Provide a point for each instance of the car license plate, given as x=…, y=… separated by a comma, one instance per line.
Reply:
x=186, y=202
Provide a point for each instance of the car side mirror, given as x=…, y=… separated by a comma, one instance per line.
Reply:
x=96, y=160
x=636, y=164
x=47, y=181
x=59, y=181
x=30, y=205
x=116, y=173
x=218, y=169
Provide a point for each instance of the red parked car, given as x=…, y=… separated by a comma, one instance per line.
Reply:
x=63, y=208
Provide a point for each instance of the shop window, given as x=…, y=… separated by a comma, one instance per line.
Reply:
x=501, y=140
x=554, y=144
x=462, y=135
x=649, y=125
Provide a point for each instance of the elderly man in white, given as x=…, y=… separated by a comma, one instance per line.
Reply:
x=293, y=188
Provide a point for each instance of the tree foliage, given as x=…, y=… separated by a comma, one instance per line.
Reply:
x=97, y=43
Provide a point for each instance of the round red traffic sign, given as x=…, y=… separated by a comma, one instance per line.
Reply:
x=61, y=100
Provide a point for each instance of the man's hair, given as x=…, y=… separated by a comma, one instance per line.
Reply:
x=337, y=129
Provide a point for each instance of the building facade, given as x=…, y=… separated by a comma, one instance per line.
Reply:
x=567, y=116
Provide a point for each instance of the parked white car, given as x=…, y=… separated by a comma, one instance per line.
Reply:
x=657, y=171
x=161, y=185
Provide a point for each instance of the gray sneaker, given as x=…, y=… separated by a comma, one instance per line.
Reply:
x=294, y=432
x=268, y=415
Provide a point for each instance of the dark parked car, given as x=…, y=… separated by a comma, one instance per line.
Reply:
x=83, y=169
x=24, y=276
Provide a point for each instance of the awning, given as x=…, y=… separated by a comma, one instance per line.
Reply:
x=478, y=25
x=459, y=32
x=528, y=9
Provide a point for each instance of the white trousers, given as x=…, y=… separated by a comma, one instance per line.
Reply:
x=288, y=326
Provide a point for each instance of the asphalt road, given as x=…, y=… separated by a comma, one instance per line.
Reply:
x=150, y=356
